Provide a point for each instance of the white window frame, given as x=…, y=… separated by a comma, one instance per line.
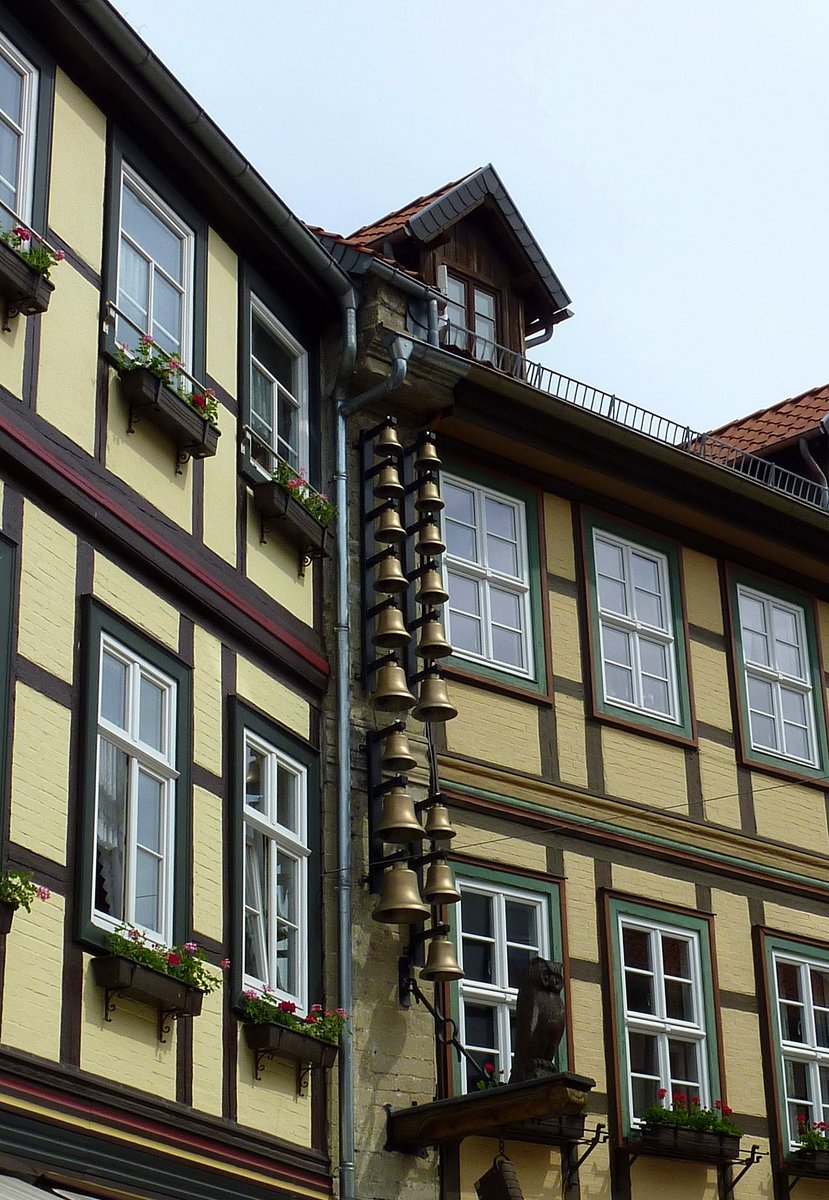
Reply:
x=462, y=336
x=26, y=130
x=131, y=179
x=658, y=1024
x=299, y=397
x=808, y=1052
x=480, y=572
x=161, y=766
x=498, y=994
x=778, y=680
x=295, y=845
x=637, y=629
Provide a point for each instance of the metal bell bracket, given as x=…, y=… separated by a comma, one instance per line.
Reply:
x=388, y=785
x=382, y=661
x=429, y=565
x=421, y=523
x=431, y=614
x=421, y=478
x=376, y=559
x=368, y=435
x=380, y=735
x=384, y=506
x=376, y=609
x=380, y=465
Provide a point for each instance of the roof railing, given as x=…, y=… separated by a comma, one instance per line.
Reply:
x=602, y=404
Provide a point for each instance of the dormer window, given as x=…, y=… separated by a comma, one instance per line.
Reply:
x=469, y=315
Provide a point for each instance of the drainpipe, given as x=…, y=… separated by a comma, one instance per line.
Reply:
x=400, y=349
x=540, y=338
x=811, y=464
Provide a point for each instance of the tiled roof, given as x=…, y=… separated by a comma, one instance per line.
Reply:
x=778, y=425
x=393, y=222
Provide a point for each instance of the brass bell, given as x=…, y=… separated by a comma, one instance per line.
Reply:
x=441, y=964
x=392, y=694
x=388, y=444
x=431, y=589
x=433, y=703
x=428, y=496
x=388, y=485
x=390, y=631
x=396, y=755
x=388, y=528
x=400, y=902
x=390, y=577
x=398, y=822
x=439, y=887
x=438, y=826
x=432, y=642
x=428, y=543
x=426, y=458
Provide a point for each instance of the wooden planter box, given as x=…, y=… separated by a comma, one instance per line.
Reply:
x=122, y=977
x=23, y=290
x=278, y=509
x=277, y=1041
x=7, y=912
x=810, y=1162
x=694, y=1144
x=554, y=1131
x=147, y=396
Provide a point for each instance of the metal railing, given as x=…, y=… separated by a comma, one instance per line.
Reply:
x=660, y=429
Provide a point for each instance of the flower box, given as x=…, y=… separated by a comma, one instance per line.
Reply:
x=549, y=1131
x=674, y=1141
x=120, y=976
x=148, y=396
x=278, y=508
x=279, y=1041
x=810, y=1162
x=7, y=912
x=23, y=290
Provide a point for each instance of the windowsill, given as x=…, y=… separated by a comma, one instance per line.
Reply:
x=23, y=290
x=147, y=397
x=634, y=722
x=693, y=1145
x=123, y=977
x=466, y=670
x=783, y=768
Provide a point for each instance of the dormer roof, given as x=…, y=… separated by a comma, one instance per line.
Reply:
x=774, y=428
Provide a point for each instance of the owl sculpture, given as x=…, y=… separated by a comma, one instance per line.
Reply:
x=539, y=1020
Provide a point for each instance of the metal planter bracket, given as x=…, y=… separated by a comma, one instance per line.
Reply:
x=598, y=1139
x=754, y=1157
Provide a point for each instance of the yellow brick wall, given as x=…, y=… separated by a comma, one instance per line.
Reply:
x=68, y=363
x=46, y=630
x=790, y=812
x=33, y=979
x=207, y=1057
x=538, y=1168
x=580, y=893
x=76, y=194
x=208, y=854
x=558, y=526
x=272, y=1103
x=274, y=567
x=40, y=774
x=572, y=754
x=276, y=700
x=644, y=769
x=138, y=604
x=718, y=772
x=712, y=686
x=208, y=720
x=702, y=590
x=495, y=728
x=565, y=637
x=222, y=322
x=12, y=357
x=491, y=844
x=735, y=963
x=221, y=482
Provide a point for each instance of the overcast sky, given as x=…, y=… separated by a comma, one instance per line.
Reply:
x=670, y=158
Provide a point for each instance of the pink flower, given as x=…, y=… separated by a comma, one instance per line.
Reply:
x=146, y=340
x=209, y=394
x=250, y=994
x=662, y=1093
x=173, y=959
x=316, y=1008
x=341, y=1012
x=294, y=483
x=225, y=964
x=43, y=893
x=173, y=364
x=190, y=947
x=134, y=935
x=267, y=988
x=59, y=255
x=22, y=232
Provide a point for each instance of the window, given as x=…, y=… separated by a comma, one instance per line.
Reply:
x=488, y=615
x=18, y=113
x=640, y=672
x=470, y=310
x=278, y=392
x=275, y=871
x=135, y=800
x=802, y=989
x=155, y=270
x=499, y=928
x=665, y=1001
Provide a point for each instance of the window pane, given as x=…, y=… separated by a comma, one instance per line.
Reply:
x=9, y=159
x=507, y=647
x=679, y=1000
x=463, y=594
x=11, y=91
x=288, y=423
x=133, y=293
x=820, y=986
x=287, y=897
x=656, y=695
x=636, y=945
x=788, y=981
x=152, y=234
x=261, y=405
x=461, y=540
x=791, y=1022
x=522, y=922
x=616, y=645
x=167, y=304
x=460, y=503
x=476, y=913
x=455, y=290
x=484, y=304
x=797, y=1080
x=644, y=1094
x=256, y=905
x=609, y=559
x=518, y=960
x=151, y=714
x=114, y=691
x=760, y=696
x=612, y=595
x=148, y=890
x=676, y=956
x=477, y=960
x=644, y=1057
x=755, y=640
x=619, y=684
x=480, y=1025
x=466, y=633
x=500, y=519
x=255, y=774
x=794, y=706
x=684, y=1062
x=112, y=830
x=639, y=992
x=505, y=608
x=763, y=731
x=274, y=356
x=149, y=812
x=286, y=799
x=502, y=556
x=796, y=742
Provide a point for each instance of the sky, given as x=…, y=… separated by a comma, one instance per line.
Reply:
x=669, y=158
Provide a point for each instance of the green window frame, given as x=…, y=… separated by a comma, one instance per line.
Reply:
x=251, y=727
x=497, y=993
x=798, y=1005
x=646, y=621
x=103, y=628
x=746, y=594
x=651, y=1032
x=526, y=585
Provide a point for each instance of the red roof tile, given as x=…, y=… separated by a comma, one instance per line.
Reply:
x=770, y=427
x=393, y=222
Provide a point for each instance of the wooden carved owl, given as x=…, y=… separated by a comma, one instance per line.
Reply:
x=539, y=1020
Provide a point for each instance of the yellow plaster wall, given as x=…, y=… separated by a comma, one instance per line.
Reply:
x=222, y=321
x=643, y=769
x=69, y=358
x=207, y=864
x=220, y=483
x=790, y=812
x=47, y=592
x=33, y=979
x=646, y=885
x=207, y=701
x=658, y=1179
x=40, y=774
x=495, y=728
x=565, y=637
x=146, y=461
x=586, y=1022
x=742, y=1068
x=126, y=1048
x=274, y=567
x=792, y=920
x=732, y=931
x=702, y=590
x=12, y=356
x=572, y=754
x=491, y=844
x=207, y=1057
x=712, y=686
x=558, y=526
x=271, y=1103
x=137, y=603
x=718, y=772
x=76, y=193
x=274, y=699
x=538, y=1168
x=580, y=893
